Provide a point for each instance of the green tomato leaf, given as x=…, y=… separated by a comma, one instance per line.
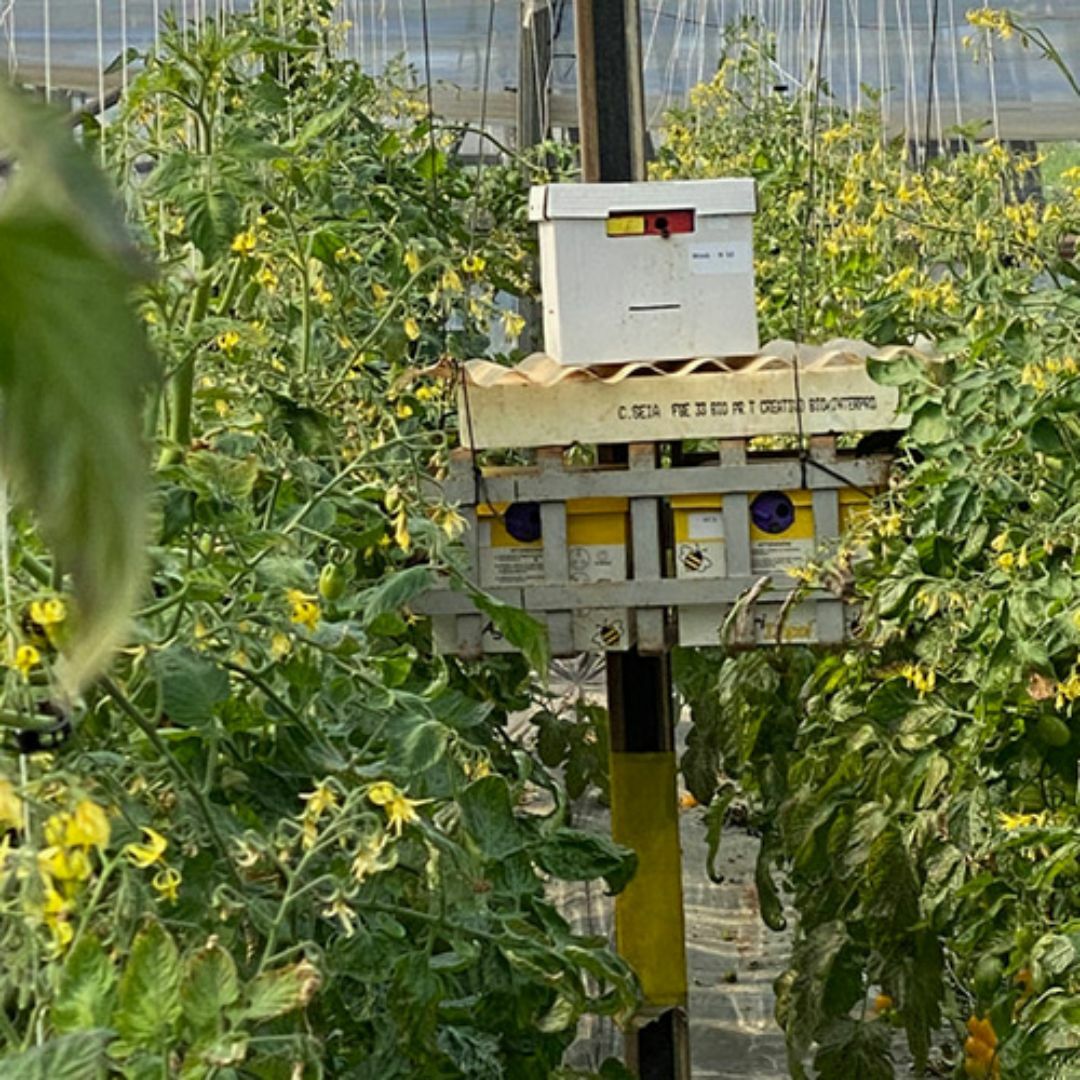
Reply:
x=1045, y=436
x=275, y=993
x=898, y=371
x=210, y=985
x=396, y=590
x=929, y=426
x=149, y=999
x=74, y=364
x=84, y=998
x=488, y=815
x=574, y=855
x=80, y=1056
x=424, y=745
x=191, y=685
x=519, y=628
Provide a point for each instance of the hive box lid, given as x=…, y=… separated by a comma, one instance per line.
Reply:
x=585, y=202
x=541, y=403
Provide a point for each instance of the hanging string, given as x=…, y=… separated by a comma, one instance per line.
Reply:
x=100, y=73
x=955, y=65
x=123, y=46
x=432, y=147
x=46, y=28
x=7, y=20
x=993, y=85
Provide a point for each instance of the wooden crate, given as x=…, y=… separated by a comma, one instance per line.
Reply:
x=654, y=605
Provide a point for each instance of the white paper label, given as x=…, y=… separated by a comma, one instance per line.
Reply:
x=511, y=566
x=705, y=525
x=721, y=257
x=775, y=556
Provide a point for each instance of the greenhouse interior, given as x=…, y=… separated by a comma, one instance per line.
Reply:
x=540, y=539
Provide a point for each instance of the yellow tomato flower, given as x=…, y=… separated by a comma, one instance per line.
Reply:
x=992, y=19
x=338, y=909
x=244, y=243
x=64, y=864
x=280, y=646
x=473, y=264
x=305, y=609
x=166, y=883
x=145, y=855
x=1069, y=690
x=403, y=410
x=320, y=800
x=26, y=659
x=48, y=613
x=55, y=912
x=513, y=324
x=412, y=261
x=412, y=328
x=88, y=826
x=11, y=806
x=1020, y=821
x=921, y=681
x=227, y=341
x=399, y=808
x=380, y=292
x=1006, y=560
x=451, y=281
x=401, y=531
x=266, y=277
x=373, y=857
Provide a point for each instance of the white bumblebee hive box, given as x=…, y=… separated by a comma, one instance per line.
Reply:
x=646, y=271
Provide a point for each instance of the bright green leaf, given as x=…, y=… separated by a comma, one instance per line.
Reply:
x=149, y=998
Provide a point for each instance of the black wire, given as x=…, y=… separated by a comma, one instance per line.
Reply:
x=479, y=483
x=934, y=22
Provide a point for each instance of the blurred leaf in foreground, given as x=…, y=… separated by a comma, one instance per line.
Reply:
x=73, y=367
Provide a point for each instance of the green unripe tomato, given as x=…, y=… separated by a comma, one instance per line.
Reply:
x=989, y=972
x=1052, y=731
x=332, y=582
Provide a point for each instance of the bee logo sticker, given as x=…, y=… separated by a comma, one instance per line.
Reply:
x=694, y=559
x=609, y=635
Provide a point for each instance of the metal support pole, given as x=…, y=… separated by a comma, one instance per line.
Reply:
x=649, y=925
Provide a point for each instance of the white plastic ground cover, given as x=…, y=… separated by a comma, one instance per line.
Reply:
x=881, y=44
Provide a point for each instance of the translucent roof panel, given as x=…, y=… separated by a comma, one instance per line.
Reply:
x=884, y=45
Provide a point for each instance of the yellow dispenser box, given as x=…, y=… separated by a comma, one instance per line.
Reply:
x=773, y=552
x=700, y=545
x=597, y=532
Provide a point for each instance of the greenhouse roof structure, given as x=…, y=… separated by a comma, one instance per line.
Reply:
x=873, y=50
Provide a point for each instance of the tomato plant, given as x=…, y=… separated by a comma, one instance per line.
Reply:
x=279, y=837
x=916, y=790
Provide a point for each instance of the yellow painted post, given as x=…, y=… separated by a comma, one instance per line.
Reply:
x=649, y=923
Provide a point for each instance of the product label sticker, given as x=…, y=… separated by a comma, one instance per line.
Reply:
x=705, y=524
x=509, y=566
x=597, y=562
x=721, y=257
x=775, y=556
